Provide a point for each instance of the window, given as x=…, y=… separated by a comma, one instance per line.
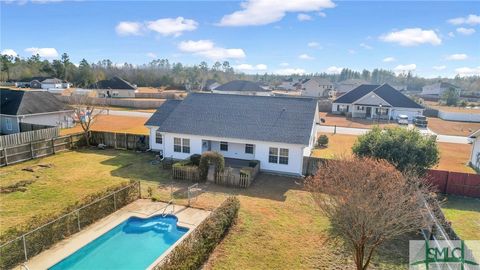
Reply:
x=186, y=145
x=283, y=159
x=8, y=123
x=360, y=108
x=248, y=148
x=158, y=137
x=177, y=145
x=276, y=155
x=273, y=155
x=223, y=146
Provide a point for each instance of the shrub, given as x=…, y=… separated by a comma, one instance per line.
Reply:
x=322, y=140
x=195, y=159
x=211, y=157
x=195, y=249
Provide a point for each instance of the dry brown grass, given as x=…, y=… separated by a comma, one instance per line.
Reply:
x=453, y=157
x=342, y=121
x=455, y=128
x=114, y=123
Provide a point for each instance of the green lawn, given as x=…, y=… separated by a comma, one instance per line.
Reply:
x=464, y=213
x=279, y=226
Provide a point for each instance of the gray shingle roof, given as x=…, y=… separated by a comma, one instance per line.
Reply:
x=16, y=102
x=240, y=85
x=272, y=119
x=384, y=91
x=113, y=83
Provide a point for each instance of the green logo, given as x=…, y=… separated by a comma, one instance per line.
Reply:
x=441, y=253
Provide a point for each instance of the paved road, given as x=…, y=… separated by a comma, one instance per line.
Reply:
x=360, y=131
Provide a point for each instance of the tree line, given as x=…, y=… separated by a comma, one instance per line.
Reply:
x=175, y=75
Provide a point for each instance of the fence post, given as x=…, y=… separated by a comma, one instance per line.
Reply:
x=115, y=140
x=126, y=141
x=115, y=201
x=71, y=142
x=25, y=247
x=53, y=146
x=5, y=155
x=31, y=150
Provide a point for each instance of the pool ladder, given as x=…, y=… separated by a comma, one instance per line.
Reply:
x=164, y=214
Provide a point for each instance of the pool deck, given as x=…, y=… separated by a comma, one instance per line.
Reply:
x=187, y=217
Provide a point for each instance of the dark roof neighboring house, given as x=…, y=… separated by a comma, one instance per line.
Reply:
x=16, y=102
x=241, y=85
x=384, y=91
x=447, y=85
x=262, y=118
x=113, y=83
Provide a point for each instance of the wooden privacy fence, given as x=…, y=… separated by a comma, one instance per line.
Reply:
x=38, y=148
x=455, y=183
x=122, y=141
x=28, y=136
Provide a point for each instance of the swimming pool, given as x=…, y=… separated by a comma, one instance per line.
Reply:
x=133, y=244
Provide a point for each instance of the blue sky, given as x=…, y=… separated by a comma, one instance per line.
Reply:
x=430, y=38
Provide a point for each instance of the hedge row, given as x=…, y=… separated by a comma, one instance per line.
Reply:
x=12, y=254
x=195, y=249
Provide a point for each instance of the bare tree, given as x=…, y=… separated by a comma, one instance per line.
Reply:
x=86, y=110
x=367, y=202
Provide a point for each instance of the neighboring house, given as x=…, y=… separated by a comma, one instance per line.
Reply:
x=475, y=156
x=317, y=87
x=52, y=83
x=211, y=85
x=21, y=108
x=277, y=131
x=376, y=101
x=346, y=86
x=114, y=87
x=242, y=87
x=437, y=89
x=35, y=84
x=288, y=84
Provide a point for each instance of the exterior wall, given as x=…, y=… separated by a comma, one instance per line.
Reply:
x=60, y=119
x=261, y=150
x=247, y=93
x=9, y=124
x=371, y=99
x=120, y=93
x=314, y=89
x=51, y=85
x=410, y=112
x=458, y=116
x=432, y=89
x=475, y=155
x=235, y=150
x=335, y=107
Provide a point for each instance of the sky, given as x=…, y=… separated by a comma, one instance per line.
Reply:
x=429, y=38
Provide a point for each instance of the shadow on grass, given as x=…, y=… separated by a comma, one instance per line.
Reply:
x=460, y=203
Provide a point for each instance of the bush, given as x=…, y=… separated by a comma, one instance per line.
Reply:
x=405, y=149
x=322, y=140
x=195, y=159
x=195, y=249
x=211, y=157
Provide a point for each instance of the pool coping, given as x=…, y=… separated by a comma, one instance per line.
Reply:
x=187, y=217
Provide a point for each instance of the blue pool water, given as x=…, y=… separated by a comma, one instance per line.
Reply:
x=134, y=244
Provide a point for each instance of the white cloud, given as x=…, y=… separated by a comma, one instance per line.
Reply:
x=129, y=28
x=43, y=52
x=389, y=59
x=442, y=67
x=208, y=49
x=305, y=56
x=412, y=37
x=172, y=26
x=405, y=68
x=334, y=70
x=471, y=19
x=248, y=67
x=313, y=44
x=9, y=52
x=261, y=12
x=304, y=17
x=465, y=31
x=289, y=71
x=151, y=55
x=457, y=57
x=284, y=64
x=322, y=14
x=467, y=71
x=366, y=46
x=451, y=34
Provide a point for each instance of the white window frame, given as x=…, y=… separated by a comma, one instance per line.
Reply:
x=224, y=145
x=249, y=146
x=177, y=142
x=186, y=145
x=8, y=124
x=157, y=134
x=278, y=155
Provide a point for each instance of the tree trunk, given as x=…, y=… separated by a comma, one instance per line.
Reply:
x=86, y=134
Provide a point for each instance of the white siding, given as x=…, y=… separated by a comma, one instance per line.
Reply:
x=475, y=156
x=411, y=113
x=459, y=116
x=371, y=99
x=236, y=150
x=61, y=119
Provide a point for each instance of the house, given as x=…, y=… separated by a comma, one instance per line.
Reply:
x=242, y=87
x=346, y=86
x=287, y=84
x=52, y=83
x=475, y=155
x=211, y=85
x=376, y=101
x=317, y=87
x=20, y=110
x=114, y=87
x=437, y=89
x=277, y=131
